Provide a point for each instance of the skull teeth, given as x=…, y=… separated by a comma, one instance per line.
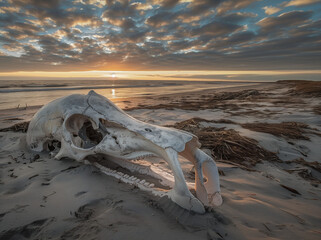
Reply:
x=141, y=183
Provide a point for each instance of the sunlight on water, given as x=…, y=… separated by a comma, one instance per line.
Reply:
x=32, y=93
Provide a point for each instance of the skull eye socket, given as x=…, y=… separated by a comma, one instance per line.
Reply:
x=83, y=132
x=87, y=132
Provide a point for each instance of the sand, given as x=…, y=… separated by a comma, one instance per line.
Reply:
x=265, y=197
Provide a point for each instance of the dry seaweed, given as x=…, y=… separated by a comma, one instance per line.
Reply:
x=290, y=130
x=305, y=172
x=315, y=165
x=227, y=145
x=236, y=95
x=305, y=88
x=210, y=101
x=18, y=127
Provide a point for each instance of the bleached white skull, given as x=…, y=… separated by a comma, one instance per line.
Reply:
x=87, y=125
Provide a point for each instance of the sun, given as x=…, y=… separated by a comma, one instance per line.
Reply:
x=113, y=75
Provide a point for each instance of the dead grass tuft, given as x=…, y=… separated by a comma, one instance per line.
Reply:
x=227, y=145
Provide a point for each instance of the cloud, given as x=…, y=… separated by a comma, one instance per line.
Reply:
x=216, y=28
x=124, y=23
x=36, y=3
x=97, y=3
x=301, y=2
x=120, y=9
x=233, y=4
x=156, y=35
x=165, y=3
x=237, y=17
x=200, y=6
x=53, y=9
x=161, y=19
x=284, y=20
x=9, y=9
x=233, y=41
x=142, y=6
x=61, y=17
x=269, y=10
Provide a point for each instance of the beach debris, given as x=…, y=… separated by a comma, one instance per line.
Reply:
x=69, y=168
x=44, y=198
x=266, y=227
x=304, y=88
x=289, y=130
x=13, y=119
x=18, y=127
x=33, y=176
x=217, y=100
x=290, y=189
x=227, y=145
x=240, y=95
x=311, y=170
x=12, y=175
x=211, y=234
x=91, y=125
x=315, y=165
x=84, y=213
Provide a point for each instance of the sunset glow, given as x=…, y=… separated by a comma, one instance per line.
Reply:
x=160, y=39
x=166, y=75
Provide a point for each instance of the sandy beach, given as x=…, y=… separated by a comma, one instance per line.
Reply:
x=265, y=139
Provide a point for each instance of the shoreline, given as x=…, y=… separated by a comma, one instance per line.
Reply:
x=119, y=100
x=24, y=113
x=21, y=98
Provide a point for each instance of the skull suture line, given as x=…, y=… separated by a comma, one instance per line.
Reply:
x=87, y=125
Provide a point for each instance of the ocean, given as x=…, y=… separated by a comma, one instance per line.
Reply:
x=22, y=93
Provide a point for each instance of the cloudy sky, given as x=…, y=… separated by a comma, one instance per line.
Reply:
x=215, y=38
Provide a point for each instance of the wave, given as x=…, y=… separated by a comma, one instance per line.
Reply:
x=64, y=88
x=32, y=85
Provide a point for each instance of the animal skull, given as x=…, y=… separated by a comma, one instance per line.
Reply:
x=87, y=125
